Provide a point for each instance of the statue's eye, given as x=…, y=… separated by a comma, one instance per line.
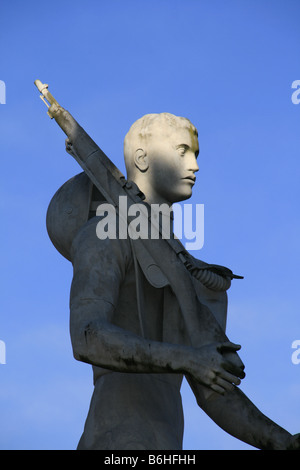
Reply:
x=182, y=149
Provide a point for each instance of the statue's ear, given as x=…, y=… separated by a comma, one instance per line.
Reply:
x=141, y=160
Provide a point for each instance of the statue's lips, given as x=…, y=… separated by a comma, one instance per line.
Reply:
x=191, y=178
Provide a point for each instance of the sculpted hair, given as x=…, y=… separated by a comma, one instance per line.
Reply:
x=144, y=128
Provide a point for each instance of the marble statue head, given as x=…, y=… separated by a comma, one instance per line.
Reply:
x=160, y=152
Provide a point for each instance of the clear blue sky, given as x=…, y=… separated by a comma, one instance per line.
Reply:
x=228, y=67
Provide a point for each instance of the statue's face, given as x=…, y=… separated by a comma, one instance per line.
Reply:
x=172, y=158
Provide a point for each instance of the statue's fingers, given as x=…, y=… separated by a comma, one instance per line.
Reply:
x=217, y=388
x=230, y=378
x=234, y=369
x=227, y=386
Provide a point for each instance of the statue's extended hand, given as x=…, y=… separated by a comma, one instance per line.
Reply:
x=212, y=368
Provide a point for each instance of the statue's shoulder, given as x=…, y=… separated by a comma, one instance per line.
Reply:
x=68, y=211
x=71, y=220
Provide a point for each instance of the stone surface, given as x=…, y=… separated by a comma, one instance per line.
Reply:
x=126, y=320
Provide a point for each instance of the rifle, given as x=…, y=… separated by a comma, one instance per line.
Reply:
x=201, y=326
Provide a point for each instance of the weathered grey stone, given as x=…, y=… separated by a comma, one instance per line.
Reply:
x=126, y=320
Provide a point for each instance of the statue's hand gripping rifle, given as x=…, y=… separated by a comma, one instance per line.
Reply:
x=201, y=325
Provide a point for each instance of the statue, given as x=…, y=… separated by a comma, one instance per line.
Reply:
x=144, y=312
